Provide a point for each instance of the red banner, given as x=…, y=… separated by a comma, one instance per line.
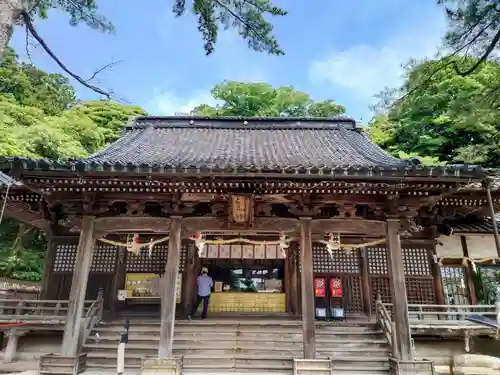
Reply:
x=319, y=287
x=336, y=287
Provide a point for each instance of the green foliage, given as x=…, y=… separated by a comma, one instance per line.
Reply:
x=39, y=119
x=261, y=99
x=246, y=16
x=33, y=87
x=78, y=10
x=21, y=251
x=474, y=29
x=448, y=118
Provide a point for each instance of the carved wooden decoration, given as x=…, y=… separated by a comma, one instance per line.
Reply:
x=242, y=209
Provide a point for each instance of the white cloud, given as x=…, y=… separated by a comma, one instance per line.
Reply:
x=366, y=69
x=167, y=103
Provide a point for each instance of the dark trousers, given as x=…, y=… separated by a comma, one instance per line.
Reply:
x=205, y=300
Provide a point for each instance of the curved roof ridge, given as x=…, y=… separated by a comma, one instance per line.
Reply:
x=235, y=122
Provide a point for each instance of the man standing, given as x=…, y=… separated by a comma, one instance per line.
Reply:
x=204, y=285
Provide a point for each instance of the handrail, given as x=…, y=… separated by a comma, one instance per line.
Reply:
x=448, y=312
x=386, y=324
x=92, y=317
x=47, y=311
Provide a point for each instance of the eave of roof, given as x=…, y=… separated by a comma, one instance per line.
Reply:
x=7, y=180
x=237, y=146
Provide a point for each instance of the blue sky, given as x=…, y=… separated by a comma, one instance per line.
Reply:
x=335, y=49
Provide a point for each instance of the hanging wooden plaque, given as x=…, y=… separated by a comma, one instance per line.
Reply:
x=242, y=209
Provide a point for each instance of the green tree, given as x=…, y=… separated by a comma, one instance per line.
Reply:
x=474, y=29
x=449, y=119
x=247, y=17
x=39, y=118
x=33, y=87
x=261, y=99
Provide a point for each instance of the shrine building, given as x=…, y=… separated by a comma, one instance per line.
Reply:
x=268, y=205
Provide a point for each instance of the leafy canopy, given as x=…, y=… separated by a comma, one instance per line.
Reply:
x=261, y=99
x=40, y=118
x=449, y=119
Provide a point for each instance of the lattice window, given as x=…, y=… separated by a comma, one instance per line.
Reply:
x=154, y=263
x=420, y=291
x=380, y=285
x=340, y=262
x=455, y=286
x=377, y=261
x=353, y=292
x=103, y=259
x=65, y=258
x=416, y=262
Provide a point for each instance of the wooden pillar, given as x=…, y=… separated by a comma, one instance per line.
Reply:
x=72, y=329
x=307, y=287
x=293, y=279
x=436, y=276
x=493, y=221
x=50, y=256
x=367, y=298
x=190, y=274
x=398, y=290
x=169, y=288
x=118, y=280
x=469, y=277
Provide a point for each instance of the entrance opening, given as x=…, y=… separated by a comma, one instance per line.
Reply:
x=247, y=285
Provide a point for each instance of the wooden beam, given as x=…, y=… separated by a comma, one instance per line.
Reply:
x=367, y=228
x=169, y=289
x=104, y=225
x=306, y=258
x=398, y=290
x=72, y=329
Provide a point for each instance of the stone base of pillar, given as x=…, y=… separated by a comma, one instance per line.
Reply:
x=312, y=366
x=397, y=367
x=50, y=364
x=161, y=366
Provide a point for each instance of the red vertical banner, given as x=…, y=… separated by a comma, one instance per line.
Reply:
x=336, y=287
x=319, y=287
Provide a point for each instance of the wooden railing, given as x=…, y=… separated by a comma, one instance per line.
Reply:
x=36, y=312
x=448, y=312
x=385, y=322
x=92, y=317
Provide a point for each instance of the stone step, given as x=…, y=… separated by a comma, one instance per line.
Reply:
x=137, y=338
x=254, y=352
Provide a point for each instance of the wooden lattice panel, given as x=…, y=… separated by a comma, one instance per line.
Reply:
x=154, y=263
x=380, y=285
x=103, y=260
x=377, y=261
x=340, y=261
x=416, y=261
x=353, y=293
x=420, y=291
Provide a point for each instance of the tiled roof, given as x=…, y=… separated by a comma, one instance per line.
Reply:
x=334, y=146
x=276, y=144
x=479, y=226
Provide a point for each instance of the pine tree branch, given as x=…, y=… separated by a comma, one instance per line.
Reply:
x=31, y=28
x=482, y=59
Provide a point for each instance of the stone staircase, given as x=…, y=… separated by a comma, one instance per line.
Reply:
x=251, y=346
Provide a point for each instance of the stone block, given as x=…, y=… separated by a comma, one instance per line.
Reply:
x=423, y=367
x=312, y=366
x=161, y=366
x=51, y=364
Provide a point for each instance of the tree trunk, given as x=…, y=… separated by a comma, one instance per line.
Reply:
x=10, y=11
